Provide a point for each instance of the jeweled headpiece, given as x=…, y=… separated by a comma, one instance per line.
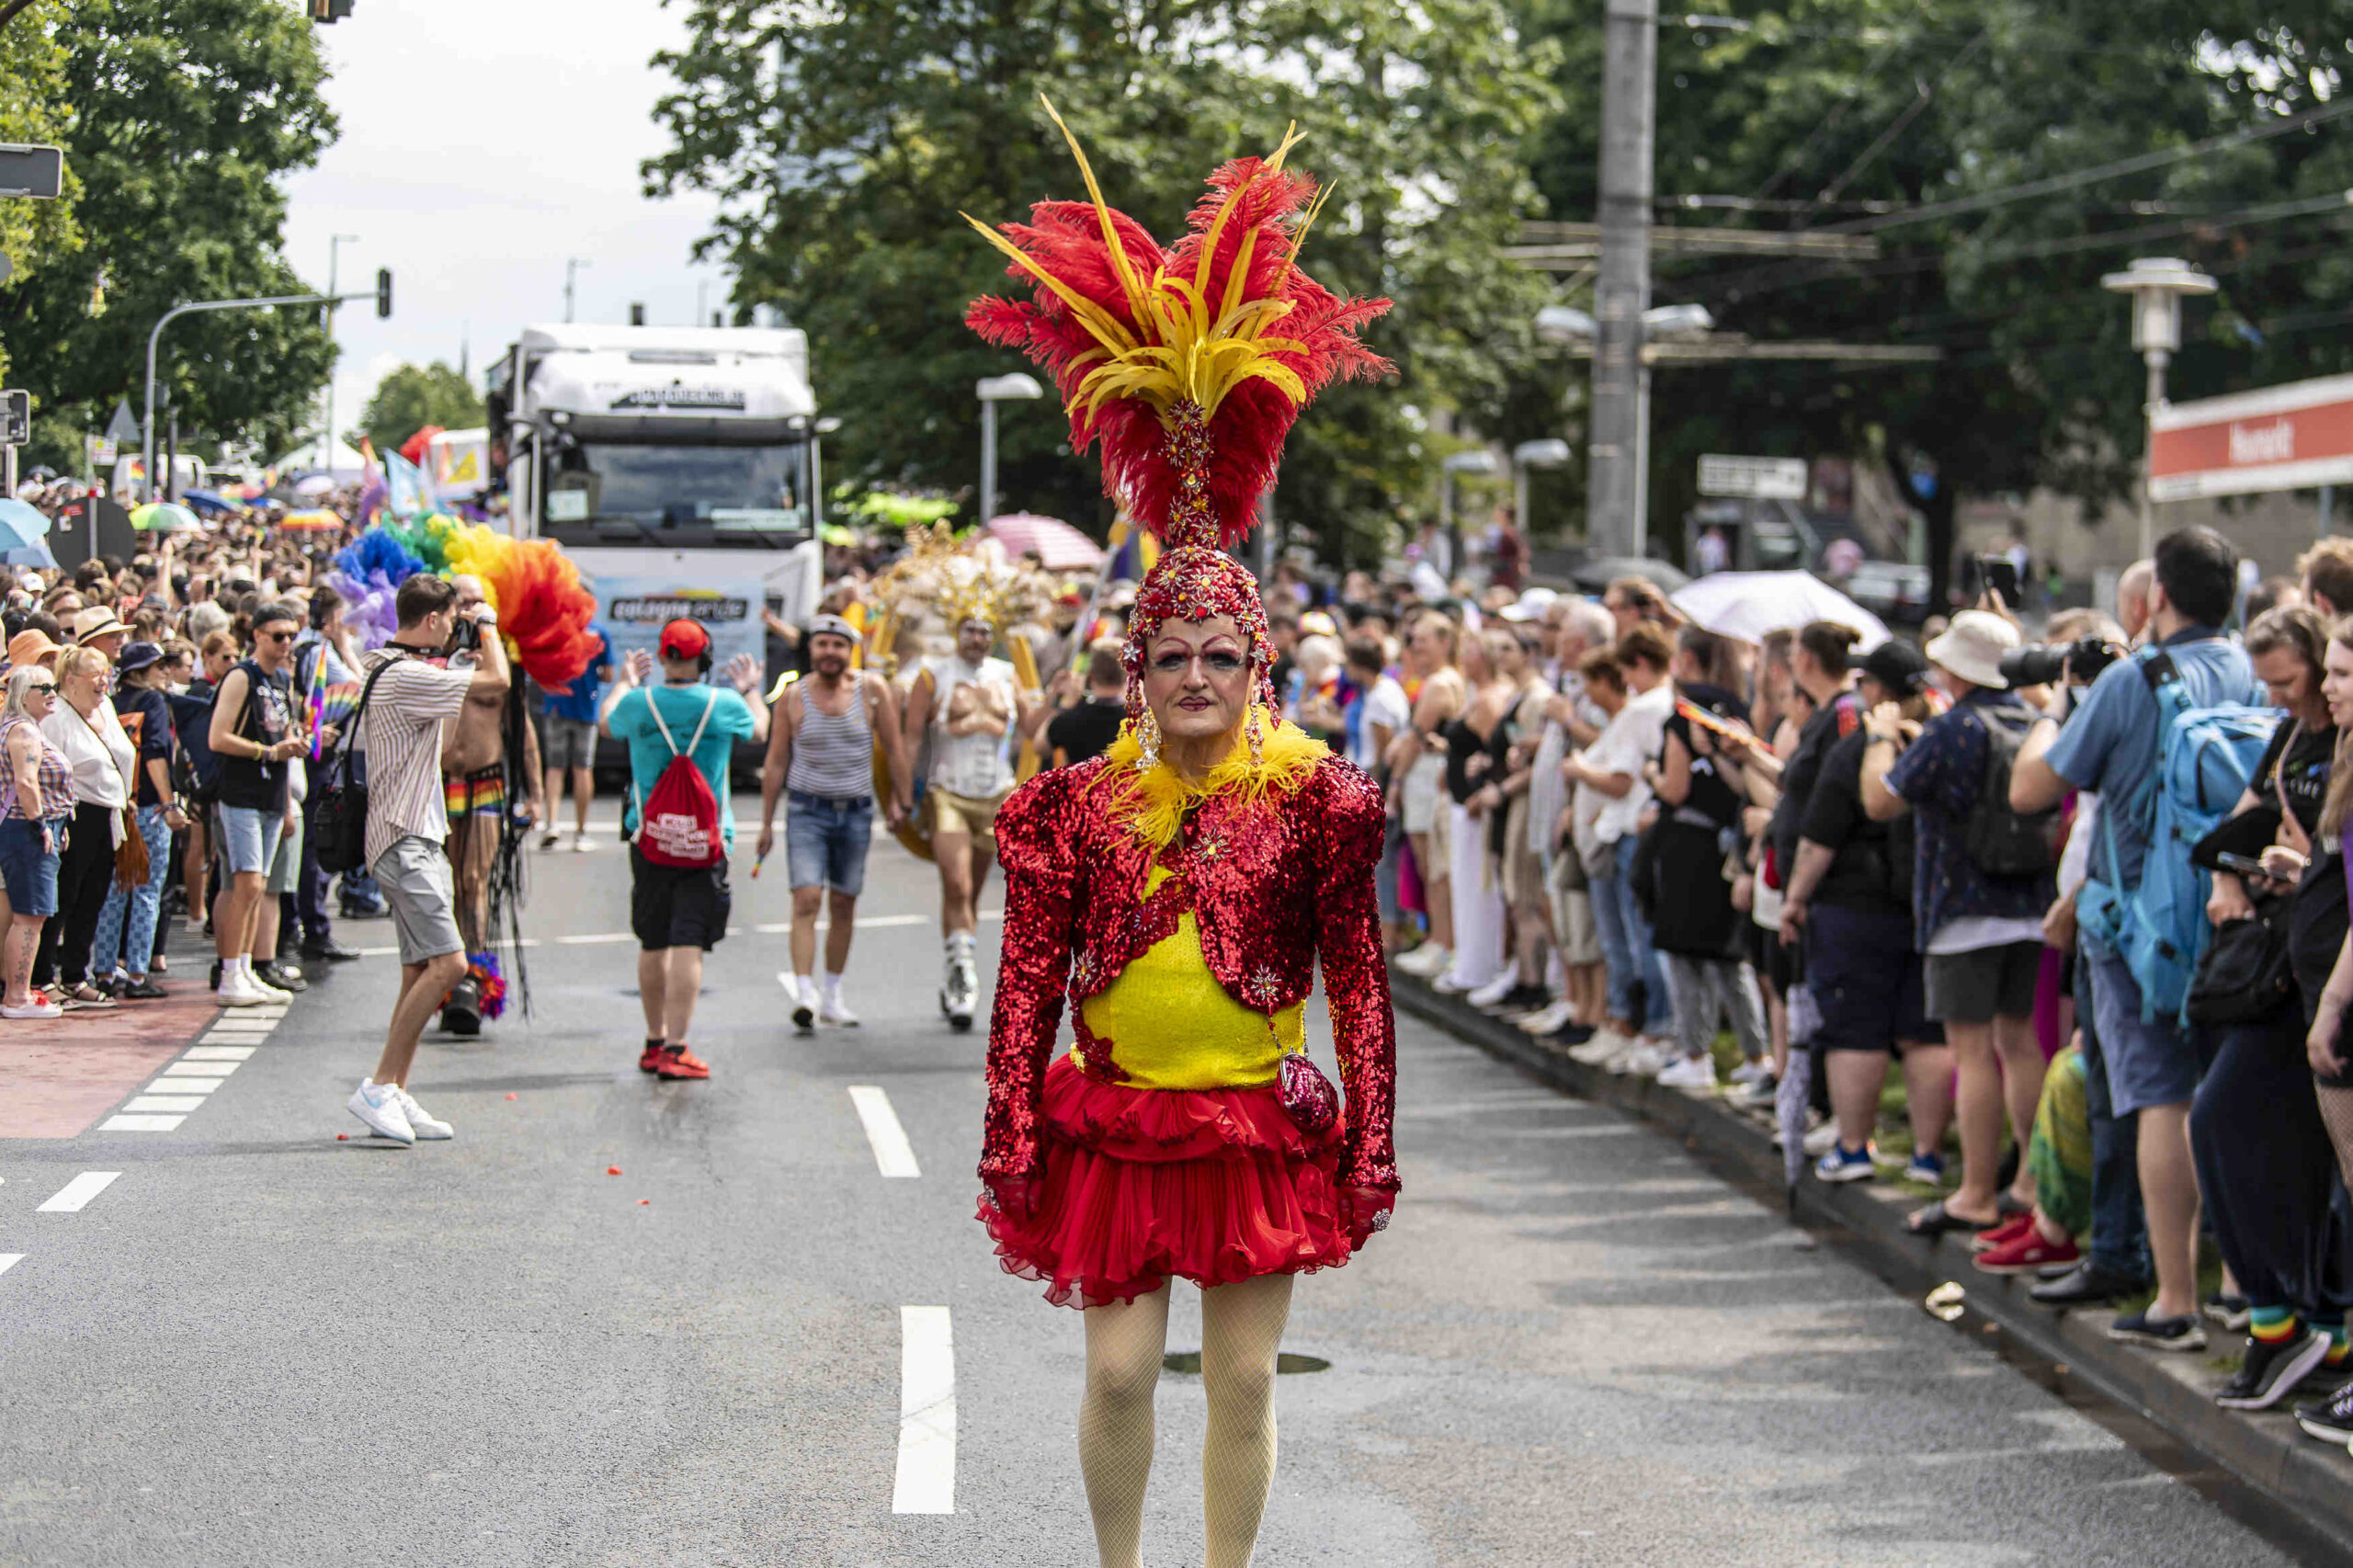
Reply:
x=1169, y=359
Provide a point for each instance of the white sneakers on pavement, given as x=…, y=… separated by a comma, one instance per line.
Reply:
x=804, y=1003
x=379, y=1104
x=1645, y=1059
x=1549, y=1020
x=1605, y=1044
x=582, y=843
x=1425, y=960
x=831, y=1010
x=421, y=1122
x=1690, y=1072
x=239, y=989
x=1492, y=993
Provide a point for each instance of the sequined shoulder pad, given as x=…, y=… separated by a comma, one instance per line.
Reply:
x=1040, y=824
x=1348, y=804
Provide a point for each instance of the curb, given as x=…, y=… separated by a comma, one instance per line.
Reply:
x=2265, y=1450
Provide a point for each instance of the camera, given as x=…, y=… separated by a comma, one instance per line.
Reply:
x=2085, y=657
x=466, y=636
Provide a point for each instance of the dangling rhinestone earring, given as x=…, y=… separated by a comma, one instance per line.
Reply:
x=1257, y=738
x=1148, y=739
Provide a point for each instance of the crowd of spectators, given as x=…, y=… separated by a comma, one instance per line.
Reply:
x=132, y=798
x=1667, y=852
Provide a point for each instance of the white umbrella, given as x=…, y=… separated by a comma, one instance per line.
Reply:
x=1747, y=605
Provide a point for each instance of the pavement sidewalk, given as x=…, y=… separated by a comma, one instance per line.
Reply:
x=2265, y=1450
x=58, y=1078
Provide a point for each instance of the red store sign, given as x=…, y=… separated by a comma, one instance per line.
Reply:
x=2286, y=437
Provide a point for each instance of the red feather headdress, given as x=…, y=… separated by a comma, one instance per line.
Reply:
x=1188, y=366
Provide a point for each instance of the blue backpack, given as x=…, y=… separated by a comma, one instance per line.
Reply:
x=2206, y=758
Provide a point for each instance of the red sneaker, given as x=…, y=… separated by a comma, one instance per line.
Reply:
x=650, y=1058
x=678, y=1062
x=2009, y=1230
x=2022, y=1254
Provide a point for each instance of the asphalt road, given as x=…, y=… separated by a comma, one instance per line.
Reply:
x=263, y=1344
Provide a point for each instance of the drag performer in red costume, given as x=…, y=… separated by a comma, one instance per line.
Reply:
x=1183, y=886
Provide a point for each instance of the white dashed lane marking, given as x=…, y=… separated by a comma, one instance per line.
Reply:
x=926, y=1479
x=140, y=1123
x=892, y=1154
x=75, y=1195
x=182, y=1085
x=9, y=1260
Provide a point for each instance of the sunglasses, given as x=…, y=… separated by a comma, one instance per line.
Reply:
x=275, y=636
x=41, y=690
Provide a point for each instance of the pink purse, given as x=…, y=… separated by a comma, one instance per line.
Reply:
x=1307, y=1096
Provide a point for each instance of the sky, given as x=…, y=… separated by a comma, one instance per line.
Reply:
x=483, y=143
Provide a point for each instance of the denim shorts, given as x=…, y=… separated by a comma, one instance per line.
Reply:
x=30, y=870
x=249, y=838
x=826, y=841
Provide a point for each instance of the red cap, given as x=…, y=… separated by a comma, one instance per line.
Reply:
x=685, y=639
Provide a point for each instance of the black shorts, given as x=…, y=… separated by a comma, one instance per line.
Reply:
x=1869, y=984
x=677, y=906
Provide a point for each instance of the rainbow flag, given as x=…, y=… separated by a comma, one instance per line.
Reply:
x=1133, y=550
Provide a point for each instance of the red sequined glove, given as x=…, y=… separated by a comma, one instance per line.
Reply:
x=1035, y=829
x=1364, y=1210
x=1356, y=976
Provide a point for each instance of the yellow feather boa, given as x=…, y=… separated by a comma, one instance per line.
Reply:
x=1154, y=804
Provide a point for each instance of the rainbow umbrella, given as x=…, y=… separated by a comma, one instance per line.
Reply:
x=163, y=517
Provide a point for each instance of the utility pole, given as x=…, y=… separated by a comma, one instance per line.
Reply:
x=1614, y=520
x=572, y=265
x=335, y=255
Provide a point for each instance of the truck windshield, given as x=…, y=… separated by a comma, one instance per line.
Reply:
x=727, y=490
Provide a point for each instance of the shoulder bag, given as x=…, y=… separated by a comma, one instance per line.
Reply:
x=341, y=818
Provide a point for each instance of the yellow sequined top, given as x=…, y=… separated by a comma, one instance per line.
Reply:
x=1171, y=1026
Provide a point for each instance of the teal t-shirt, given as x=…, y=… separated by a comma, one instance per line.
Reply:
x=682, y=710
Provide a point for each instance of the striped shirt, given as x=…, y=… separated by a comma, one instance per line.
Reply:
x=833, y=754
x=401, y=732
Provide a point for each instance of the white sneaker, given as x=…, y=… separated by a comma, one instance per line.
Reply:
x=583, y=844
x=1750, y=1072
x=1550, y=1019
x=269, y=993
x=1427, y=960
x=1492, y=994
x=1822, y=1139
x=804, y=1004
x=1647, y=1060
x=420, y=1122
x=1453, y=983
x=1690, y=1072
x=379, y=1104
x=1606, y=1044
x=547, y=841
x=831, y=1010
x=239, y=989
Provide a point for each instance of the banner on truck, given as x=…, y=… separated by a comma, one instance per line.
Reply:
x=635, y=608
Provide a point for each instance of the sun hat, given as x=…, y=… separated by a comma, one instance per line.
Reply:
x=97, y=622
x=31, y=646
x=1973, y=646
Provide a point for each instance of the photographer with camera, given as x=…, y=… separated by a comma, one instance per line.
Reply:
x=404, y=699
x=2115, y=743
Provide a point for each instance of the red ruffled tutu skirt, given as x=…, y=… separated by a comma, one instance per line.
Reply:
x=1213, y=1186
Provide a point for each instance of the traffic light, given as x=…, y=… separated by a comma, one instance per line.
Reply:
x=384, y=291
x=324, y=11
x=16, y=418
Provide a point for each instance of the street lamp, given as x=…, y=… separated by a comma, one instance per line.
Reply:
x=2156, y=285
x=335, y=254
x=991, y=391
x=572, y=265
x=1476, y=461
x=1550, y=452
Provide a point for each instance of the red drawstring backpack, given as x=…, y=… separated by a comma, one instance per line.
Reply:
x=677, y=822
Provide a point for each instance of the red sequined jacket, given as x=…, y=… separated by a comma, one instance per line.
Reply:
x=1272, y=886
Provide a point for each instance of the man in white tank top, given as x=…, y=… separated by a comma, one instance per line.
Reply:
x=821, y=753
x=967, y=703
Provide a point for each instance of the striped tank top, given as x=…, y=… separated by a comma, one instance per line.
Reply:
x=833, y=754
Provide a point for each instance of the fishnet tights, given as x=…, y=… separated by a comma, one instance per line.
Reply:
x=2337, y=1112
x=1242, y=1326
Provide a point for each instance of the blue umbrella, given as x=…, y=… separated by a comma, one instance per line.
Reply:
x=34, y=554
x=208, y=501
x=20, y=524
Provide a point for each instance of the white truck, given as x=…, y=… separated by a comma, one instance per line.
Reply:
x=677, y=466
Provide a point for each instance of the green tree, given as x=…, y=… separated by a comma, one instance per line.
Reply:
x=414, y=396
x=843, y=147
x=1957, y=133
x=186, y=116
x=33, y=108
